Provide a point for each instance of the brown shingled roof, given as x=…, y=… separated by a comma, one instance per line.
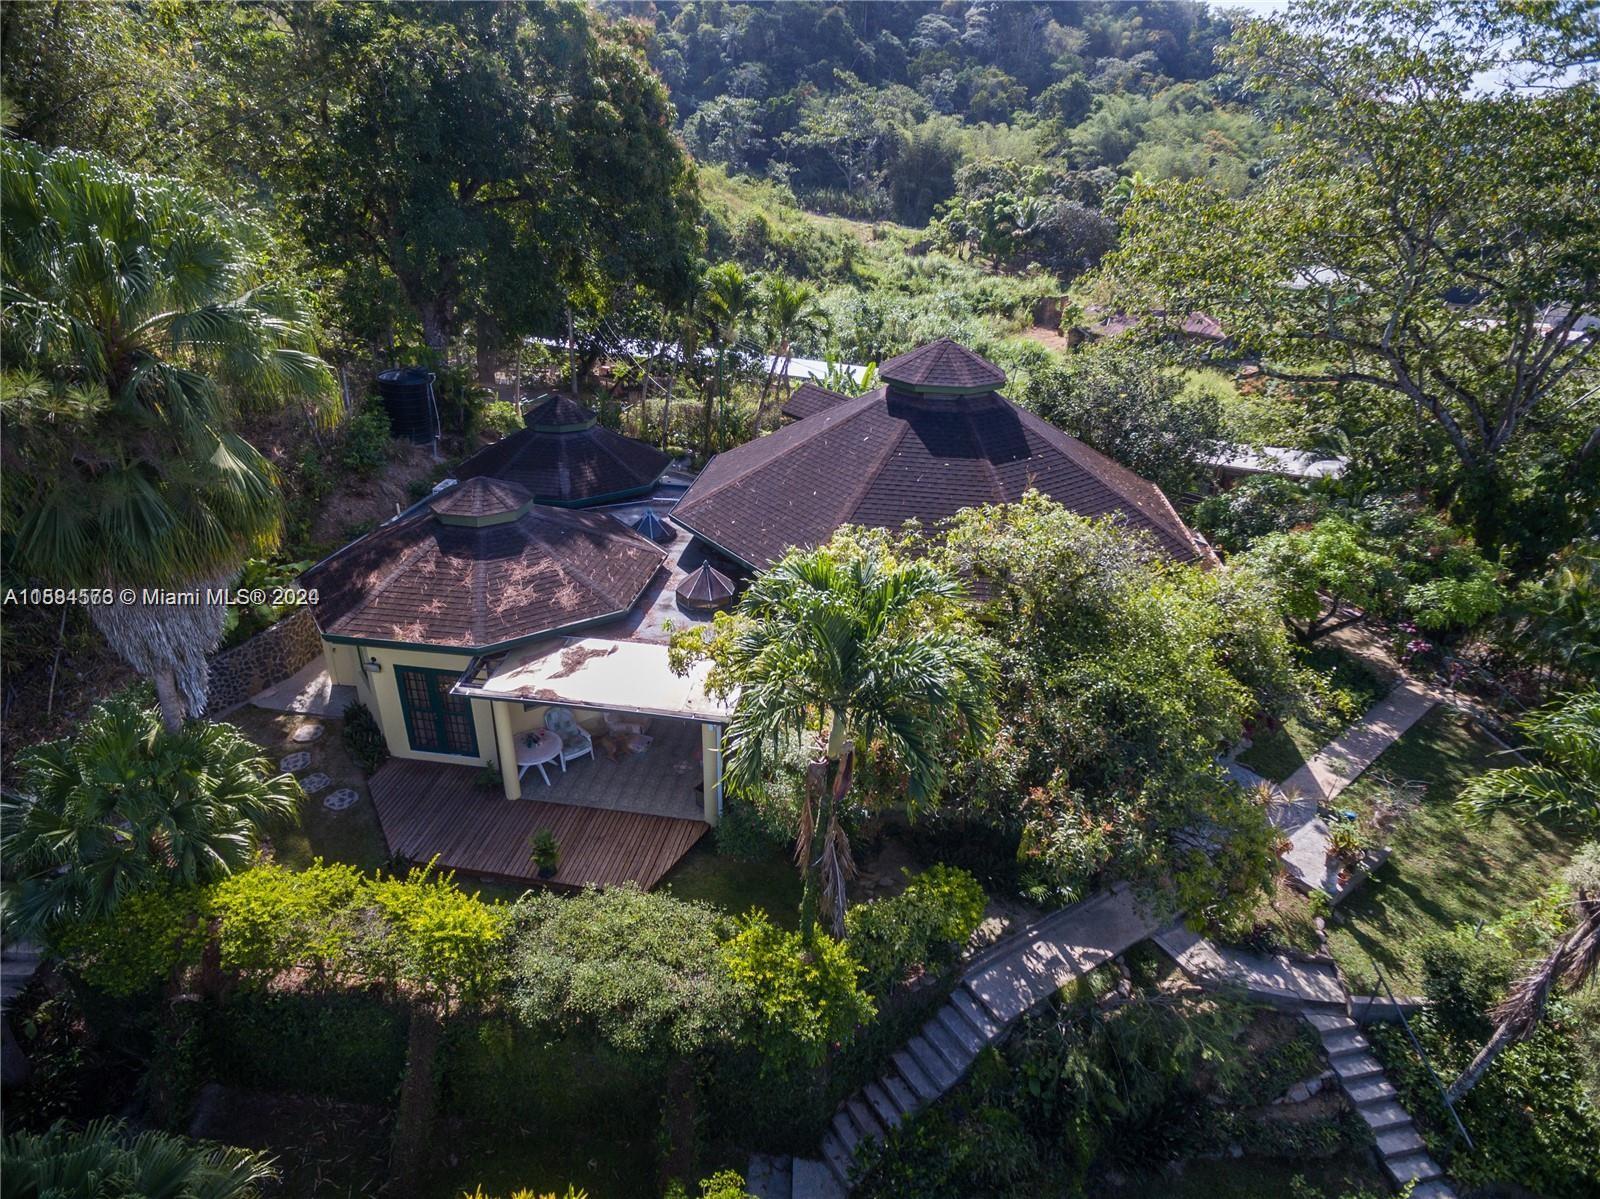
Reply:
x=886, y=457
x=942, y=365
x=809, y=399
x=563, y=457
x=428, y=580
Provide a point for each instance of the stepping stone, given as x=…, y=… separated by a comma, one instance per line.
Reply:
x=313, y=783
x=846, y=1131
x=307, y=733
x=948, y=1047
x=769, y=1177
x=1438, y=1188
x=295, y=762
x=864, y=1119
x=1329, y=1021
x=338, y=801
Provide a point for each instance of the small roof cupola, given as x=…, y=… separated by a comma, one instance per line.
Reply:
x=556, y=413
x=482, y=501
x=942, y=368
x=566, y=458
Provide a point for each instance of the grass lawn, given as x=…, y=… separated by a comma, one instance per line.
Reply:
x=1278, y=755
x=1445, y=870
x=735, y=885
x=353, y=835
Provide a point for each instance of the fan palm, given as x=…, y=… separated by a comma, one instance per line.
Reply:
x=1562, y=782
x=126, y=803
x=867, y=654
x=793, y=310
x=109, y=1161
x=725, y=302
x=136, y=329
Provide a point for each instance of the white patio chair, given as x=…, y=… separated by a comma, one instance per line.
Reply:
x=575, y=743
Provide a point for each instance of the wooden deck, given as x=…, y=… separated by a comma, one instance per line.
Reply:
x=430, y=810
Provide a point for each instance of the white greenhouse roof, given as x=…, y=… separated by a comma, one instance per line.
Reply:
x=593, y=672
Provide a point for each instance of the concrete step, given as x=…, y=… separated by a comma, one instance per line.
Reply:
x=824, y=1179
x=1413, y=1167
x=916, y=1077
x=1370, y=1090
x=1330, y=1022
x=1385, y=1113
x=882, y=1106
x=976, y=1014
x=960, y=1030
x=1344, y=1042
x=863, y=1117
x=1438, y=1188
x=1397, y=1142
x=1353, y=1064
x=770, y=1177
x=845, y=1130
x=955, y=1054
x=941, y=1072
x=903, y=1098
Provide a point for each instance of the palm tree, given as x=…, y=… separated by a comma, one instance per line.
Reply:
x=793, y=310
x=110, y=1161
x=136, y=328
x=728, y=296
x=1570, y=964
x=1562, y=782
x=126, y=803
x=867, y=654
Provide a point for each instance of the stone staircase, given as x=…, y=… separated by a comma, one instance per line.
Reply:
x=1400, y=1146
x=998, y=986
x=1317, y=992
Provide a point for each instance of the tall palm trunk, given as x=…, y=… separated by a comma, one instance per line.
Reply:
x=413, y=1125
x=827, y=863
x=711, y=399
x=781, y=357
x=168, y=644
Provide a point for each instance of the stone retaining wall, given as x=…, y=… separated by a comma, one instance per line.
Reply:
x=269, y=657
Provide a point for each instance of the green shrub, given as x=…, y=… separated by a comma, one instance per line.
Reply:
x=748, y=832
x=1255, y=507
x=802, y=995
x=500, y=417
x=273, y=919
x=364, y=738
x=363, y=448
x=924, y=926
x=1463, y=975
x=136, y=948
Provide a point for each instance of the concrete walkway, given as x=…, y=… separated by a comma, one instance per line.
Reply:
x=310, y=691
x=1268, y=978
x=1332, y=769
x=1006, y=980
x=1340, y=762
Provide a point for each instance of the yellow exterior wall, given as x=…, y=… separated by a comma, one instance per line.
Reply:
x=379, y=691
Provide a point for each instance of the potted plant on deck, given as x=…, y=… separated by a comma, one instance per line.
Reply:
x=544, y=853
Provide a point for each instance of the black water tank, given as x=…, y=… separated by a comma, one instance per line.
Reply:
x=407, y=395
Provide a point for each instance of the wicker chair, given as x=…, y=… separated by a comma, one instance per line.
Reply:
x=575, y=743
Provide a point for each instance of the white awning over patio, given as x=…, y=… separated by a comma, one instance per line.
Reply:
x=592, y=672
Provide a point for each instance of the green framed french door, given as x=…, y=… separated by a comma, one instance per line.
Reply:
x=436, y=721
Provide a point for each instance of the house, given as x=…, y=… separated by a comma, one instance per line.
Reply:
x=513, y=627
